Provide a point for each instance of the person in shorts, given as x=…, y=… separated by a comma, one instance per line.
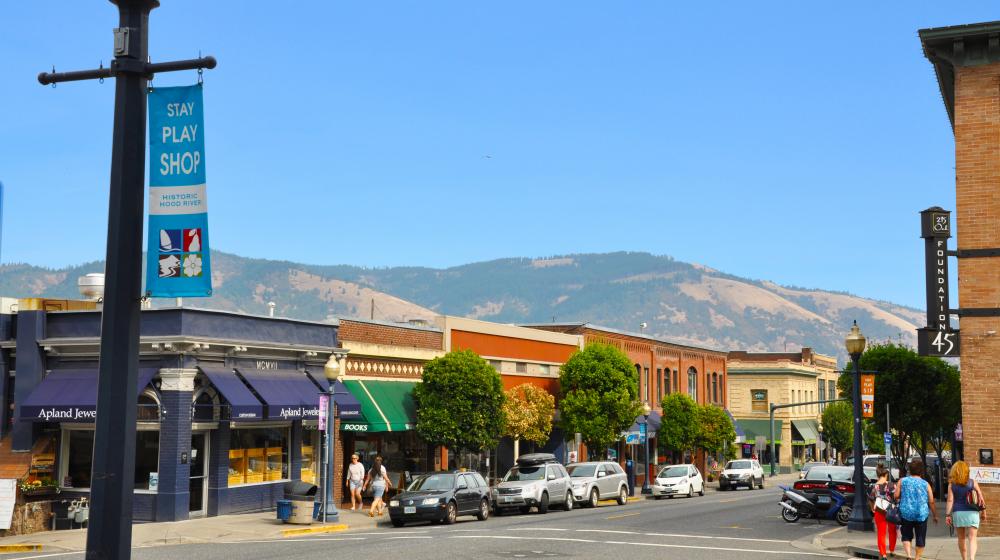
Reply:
x=959, y=513
x=354, y=481
x=916, y=503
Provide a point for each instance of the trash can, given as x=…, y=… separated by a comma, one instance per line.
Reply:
x=301, y=495
x=284, y=510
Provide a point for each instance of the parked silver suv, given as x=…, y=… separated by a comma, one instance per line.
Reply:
x=537, y=480
x=598, y=480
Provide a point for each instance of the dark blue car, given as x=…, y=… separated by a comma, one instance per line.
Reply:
x=441, y=498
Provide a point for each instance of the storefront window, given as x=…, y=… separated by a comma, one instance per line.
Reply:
x=78, y=455
x=258, y=455
x=310, y=456
x=147, y=409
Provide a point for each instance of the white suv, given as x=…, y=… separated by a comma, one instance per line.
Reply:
x=742, y=472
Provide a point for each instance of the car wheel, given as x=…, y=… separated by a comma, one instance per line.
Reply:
x=484, y=510
x=761, y=482
x=450, y=513
x=543, y=504
x=622, y=496
x=690, y=490
x=397, y=522
x=595, y=498
x=701, y=492
x=568, y=504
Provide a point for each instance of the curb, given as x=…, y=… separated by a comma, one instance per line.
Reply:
x=314, y=530
x=4, y=548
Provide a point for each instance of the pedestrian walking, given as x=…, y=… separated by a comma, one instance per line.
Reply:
x=880, y=499
x=354, y=481
x=378, y=481
x=960, y=512
x=916, y=503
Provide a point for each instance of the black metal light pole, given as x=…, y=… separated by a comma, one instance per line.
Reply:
x=861, y=517
x=109, y=533
x=645, y=425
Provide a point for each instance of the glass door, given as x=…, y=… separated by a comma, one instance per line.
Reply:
x=198, y=460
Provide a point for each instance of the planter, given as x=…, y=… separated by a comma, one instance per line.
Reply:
x=41, y=491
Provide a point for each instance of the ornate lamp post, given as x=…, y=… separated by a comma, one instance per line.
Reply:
x=822, y=446
x=332, y=371
x=861, y=518
x=645, y=424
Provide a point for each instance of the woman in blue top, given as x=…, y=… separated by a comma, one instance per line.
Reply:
x=959, y=514
x=916, y=503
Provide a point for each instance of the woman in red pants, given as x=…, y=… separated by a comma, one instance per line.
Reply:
x=879, y=500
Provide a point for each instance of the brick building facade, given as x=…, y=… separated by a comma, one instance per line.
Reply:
x=966, y=60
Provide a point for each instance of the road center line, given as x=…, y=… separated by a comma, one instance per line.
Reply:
x=623, y=515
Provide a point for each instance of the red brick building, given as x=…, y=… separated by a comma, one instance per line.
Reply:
x=966, y=60
x=664, y=367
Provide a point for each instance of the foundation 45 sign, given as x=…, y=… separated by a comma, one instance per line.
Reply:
x=178, y=259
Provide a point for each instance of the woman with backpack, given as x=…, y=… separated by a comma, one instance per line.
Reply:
x=881, y=499
x=965, y=502
x=916, y=504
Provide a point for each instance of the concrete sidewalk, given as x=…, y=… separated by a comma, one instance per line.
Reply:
x=221, y=529
x=940, y=546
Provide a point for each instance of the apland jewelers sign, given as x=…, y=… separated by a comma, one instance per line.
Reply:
x=177, y=257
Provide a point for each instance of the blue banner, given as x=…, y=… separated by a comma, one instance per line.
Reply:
x=177, y=255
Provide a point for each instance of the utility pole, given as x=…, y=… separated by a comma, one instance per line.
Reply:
x=109, y=533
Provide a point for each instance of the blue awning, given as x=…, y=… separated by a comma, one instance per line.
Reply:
x=739, y=429
x=653, y=424
x=70, y=395
x=348, y=406
x=243, y=406
x=288, y=393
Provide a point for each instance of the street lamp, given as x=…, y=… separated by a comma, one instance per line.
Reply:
x=332, y=372
x=645, y=428
x=861, y=518
x=822, y=446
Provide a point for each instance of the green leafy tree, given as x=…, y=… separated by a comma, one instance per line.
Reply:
x=873, y=437
x=528, y=412
x=679, y=430
x=599, y=391
x=715, y=431
x=838, y=425
x=460, y=402
x=924, y=394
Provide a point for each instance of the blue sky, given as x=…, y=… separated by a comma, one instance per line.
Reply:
x=776, y=140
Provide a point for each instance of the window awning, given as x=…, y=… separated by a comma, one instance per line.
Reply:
x=348, y=407
x=754, y=428
x=70, y=395
x=651, y=427
x=808, y=429
x=288, y=393
x=740, y=434
x=243, y=406
x=386, y=406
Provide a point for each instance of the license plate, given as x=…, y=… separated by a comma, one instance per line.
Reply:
x=508, y=499
x=824, y=499
x=409, y=509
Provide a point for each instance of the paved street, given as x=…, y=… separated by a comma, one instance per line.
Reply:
x=721, y=525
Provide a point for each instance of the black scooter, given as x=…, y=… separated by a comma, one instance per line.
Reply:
x=796, y=504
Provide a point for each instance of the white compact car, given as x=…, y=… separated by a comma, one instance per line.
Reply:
x=742, y=472
x=678, y=480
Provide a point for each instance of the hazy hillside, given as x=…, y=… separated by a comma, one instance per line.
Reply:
x=682, y=301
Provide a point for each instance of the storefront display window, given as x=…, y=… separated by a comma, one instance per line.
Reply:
x=258, y=455
x=310, y=455
x=78, y=455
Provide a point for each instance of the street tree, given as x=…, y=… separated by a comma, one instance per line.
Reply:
x=528, y=412
x=679, y=430
x=599, y=389
x=923, y=394
x=838, y=425
x=715, y=432
x=460, y=402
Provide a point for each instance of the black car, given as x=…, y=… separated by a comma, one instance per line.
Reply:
x=819, y=479
x=441, y=498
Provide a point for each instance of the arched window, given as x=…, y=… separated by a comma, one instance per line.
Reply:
x=693, y=383
x=147, y=407
x=715, y=387
x=722, y=389
x=708, y=386
x=204, y=405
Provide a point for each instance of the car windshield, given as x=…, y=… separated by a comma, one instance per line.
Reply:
x=525, y=473
x=671, y=472
x=808, y=466
x=433, y=482
x=582, y=471
x=735, y=465
x=873, y=461
x=826, y=473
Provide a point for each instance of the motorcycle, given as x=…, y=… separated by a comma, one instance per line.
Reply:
x=796, y=504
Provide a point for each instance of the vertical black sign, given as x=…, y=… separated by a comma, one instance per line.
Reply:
x=938, y=338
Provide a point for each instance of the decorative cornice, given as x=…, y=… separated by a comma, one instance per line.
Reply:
x=957, y=46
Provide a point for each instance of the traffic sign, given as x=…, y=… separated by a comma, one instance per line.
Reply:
x=888, y=440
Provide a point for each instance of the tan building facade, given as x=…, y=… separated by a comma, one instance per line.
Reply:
x=756, y=380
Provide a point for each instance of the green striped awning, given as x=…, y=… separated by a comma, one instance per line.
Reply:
x=386, y=406
x=754, y=428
